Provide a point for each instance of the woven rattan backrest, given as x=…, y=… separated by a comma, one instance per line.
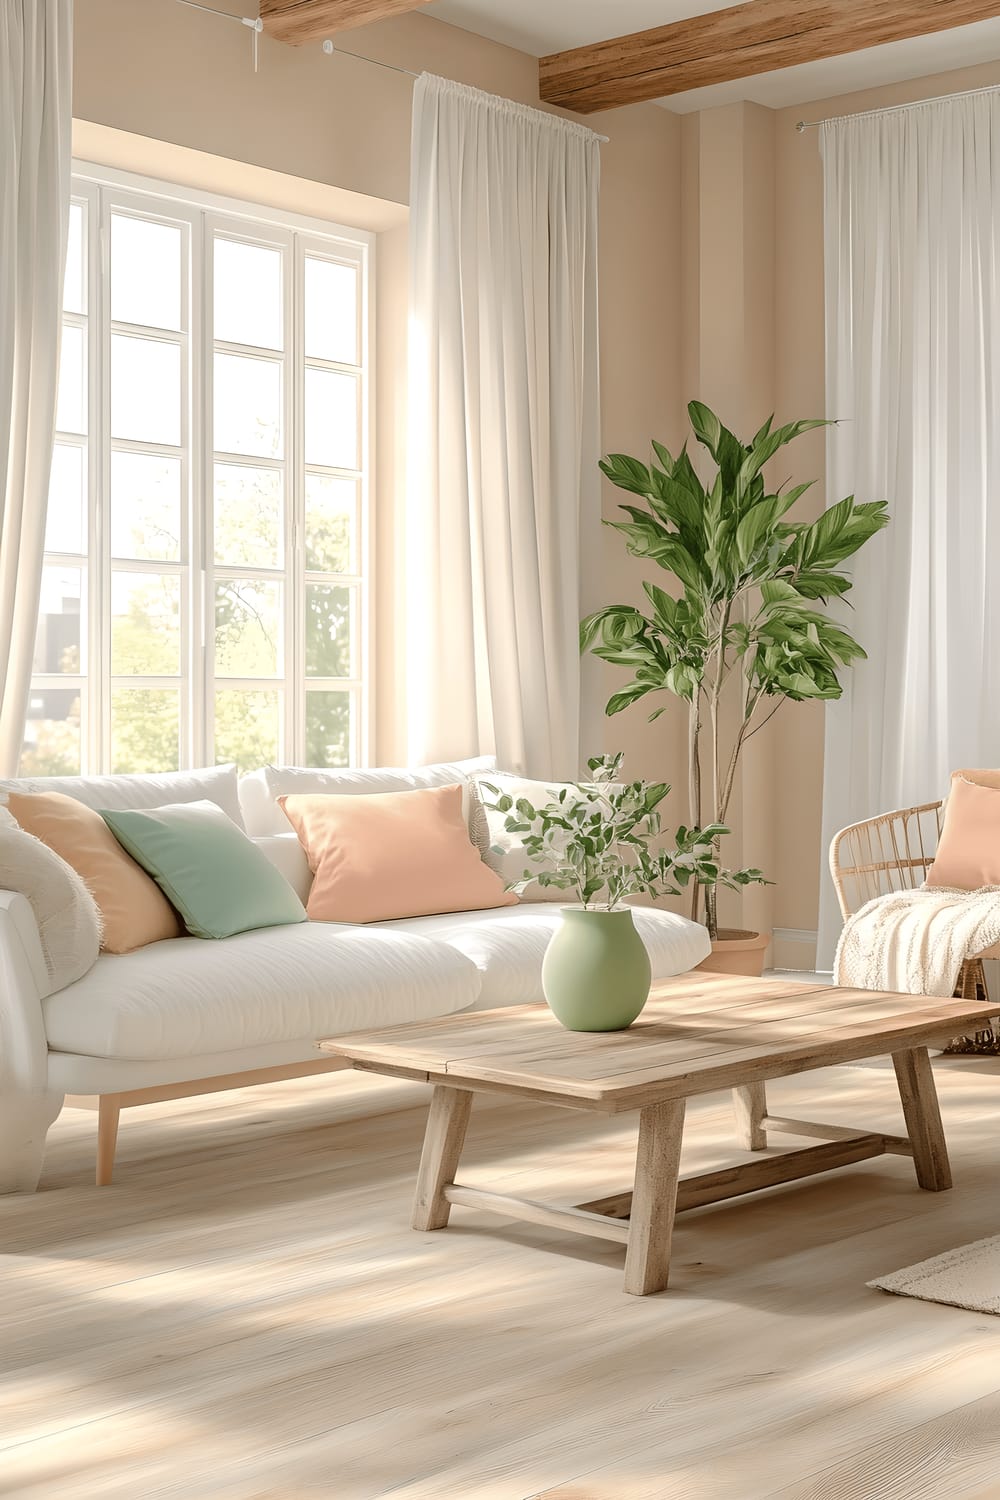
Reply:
x=892, y=852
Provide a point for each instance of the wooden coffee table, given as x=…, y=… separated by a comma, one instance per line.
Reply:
x=699, y=1032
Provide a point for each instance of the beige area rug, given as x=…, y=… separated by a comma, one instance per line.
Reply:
x=967, y=1277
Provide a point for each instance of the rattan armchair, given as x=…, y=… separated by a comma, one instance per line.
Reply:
x=893, y=852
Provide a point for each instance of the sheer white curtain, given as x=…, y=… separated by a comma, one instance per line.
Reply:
x=913, y=373
x=503, y=498
x=35, y=122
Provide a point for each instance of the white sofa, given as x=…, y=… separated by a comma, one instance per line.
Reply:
x=190, y=1016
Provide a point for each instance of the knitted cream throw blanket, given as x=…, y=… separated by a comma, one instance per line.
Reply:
x=916, y=941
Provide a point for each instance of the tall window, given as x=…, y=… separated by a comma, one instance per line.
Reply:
x=205, y=591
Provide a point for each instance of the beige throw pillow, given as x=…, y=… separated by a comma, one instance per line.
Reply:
x=133, y=909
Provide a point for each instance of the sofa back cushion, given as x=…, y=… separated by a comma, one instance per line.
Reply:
x=69, y=924
x=287, y=855
x=218, y=784
x=207, y=868
x=259, y=792
x=134, y=911
x=391, y=855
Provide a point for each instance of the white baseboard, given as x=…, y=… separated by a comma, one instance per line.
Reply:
x=796, y=935
x=793, y=948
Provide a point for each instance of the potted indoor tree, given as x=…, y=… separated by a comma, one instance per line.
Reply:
x=741, y=631
x=601, y=841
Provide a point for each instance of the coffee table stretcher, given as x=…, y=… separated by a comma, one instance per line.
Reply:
x=642, y=1219
x=523, y=1056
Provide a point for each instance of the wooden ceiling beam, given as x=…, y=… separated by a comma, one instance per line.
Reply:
x=755, y=37
x=298, y=21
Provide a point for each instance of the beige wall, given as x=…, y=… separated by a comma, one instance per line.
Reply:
x=711, y=285
x=157, y=69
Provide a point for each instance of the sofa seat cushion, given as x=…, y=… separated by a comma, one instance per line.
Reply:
x=186, y=997
x=508, y=945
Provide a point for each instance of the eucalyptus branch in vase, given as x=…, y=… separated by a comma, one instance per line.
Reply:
x=602, y=840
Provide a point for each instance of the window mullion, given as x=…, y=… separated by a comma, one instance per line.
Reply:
x=200, y=551
x=99, y=545
x=363, y=728
x=295, y=710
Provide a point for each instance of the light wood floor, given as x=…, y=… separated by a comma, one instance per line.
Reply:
x=246, y=1314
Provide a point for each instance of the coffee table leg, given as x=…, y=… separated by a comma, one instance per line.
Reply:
x=443, y=1141
x=923, y=1118
x=750, y=1107
x=654, y=1200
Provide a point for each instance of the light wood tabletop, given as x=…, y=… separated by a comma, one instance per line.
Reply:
x=699, y=1032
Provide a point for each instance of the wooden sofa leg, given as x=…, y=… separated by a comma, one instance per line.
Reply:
x=108, y=1111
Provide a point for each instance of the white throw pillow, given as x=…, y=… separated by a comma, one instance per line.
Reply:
x=260, y=790
x=218, y=784
x=69, y=924
x=511, y=861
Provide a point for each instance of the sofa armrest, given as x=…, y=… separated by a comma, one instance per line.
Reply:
x=24, y=982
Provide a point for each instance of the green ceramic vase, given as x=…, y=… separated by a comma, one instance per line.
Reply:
x=596, y=972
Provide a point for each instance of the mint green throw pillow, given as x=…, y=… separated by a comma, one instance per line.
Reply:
x=216, y=877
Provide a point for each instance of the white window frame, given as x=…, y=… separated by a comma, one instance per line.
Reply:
x=202, y=215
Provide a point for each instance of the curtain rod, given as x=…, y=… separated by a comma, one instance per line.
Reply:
x=888, y=109
x=257, y=26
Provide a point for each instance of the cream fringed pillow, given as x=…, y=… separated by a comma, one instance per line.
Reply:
x=391, y=855
x=69, y=923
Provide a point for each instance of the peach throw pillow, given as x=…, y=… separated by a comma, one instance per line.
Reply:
x=980, y=778
x=968, y=854
x=133, y=909
x=392, y=854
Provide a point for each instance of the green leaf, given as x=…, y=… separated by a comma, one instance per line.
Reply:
x=609, y=624
x=682, y=681
x=707, y=427
x=762, y=432
x=755, y=528
x=779, y=591
x=665, y=608
x=627, y=473
x=625, y=698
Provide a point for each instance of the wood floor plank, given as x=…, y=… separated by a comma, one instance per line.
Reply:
x=248, y=1303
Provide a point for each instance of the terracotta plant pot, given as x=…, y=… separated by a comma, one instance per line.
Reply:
x=736, y=952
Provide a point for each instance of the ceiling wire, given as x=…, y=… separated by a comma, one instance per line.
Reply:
x=256, y=25
x=331, y=50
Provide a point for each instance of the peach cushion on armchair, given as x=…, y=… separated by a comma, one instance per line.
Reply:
x=391, y=855
x=134, y=911
x=968, y=852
